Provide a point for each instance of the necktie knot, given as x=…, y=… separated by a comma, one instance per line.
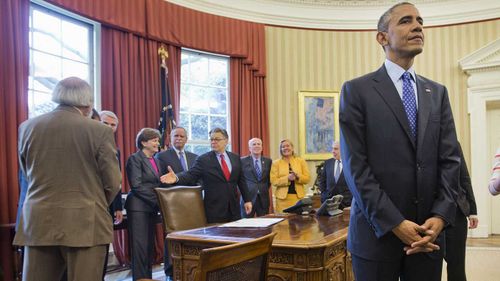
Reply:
x=406, y=76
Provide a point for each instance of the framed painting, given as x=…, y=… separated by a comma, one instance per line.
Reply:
x=318, y=123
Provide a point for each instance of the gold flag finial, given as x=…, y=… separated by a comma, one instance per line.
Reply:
x=162, y=52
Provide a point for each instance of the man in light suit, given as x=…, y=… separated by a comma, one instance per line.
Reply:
x=179, y=160
x=401, y=159
x=330, y=183
x=70, y=164
x=256, y=169
x=222, y=176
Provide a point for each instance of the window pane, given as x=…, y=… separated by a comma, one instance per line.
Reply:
x=204, y=96
x=47, y=32
x=218, y=73
x=184, y=67
x=198, y=69
x=76, y=42
x=40, y=103
x=199, y=148
x=72, y=68
x=199, y=130
x=60, y=46
x=184, y=121
x=218, y=101
x=220, y=122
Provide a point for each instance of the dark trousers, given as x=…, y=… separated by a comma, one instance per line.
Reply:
x=141, y=233
x=456, y=237
x=417, y=267
x=258, y=209
x=167, y=265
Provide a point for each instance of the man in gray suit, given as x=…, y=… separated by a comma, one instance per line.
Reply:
x=256, y=169
x=400, y=159
x=70, y=164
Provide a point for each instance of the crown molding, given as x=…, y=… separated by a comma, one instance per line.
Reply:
x=485, y=58
x=342, y=15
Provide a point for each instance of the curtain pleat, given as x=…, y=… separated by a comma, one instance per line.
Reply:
x=14, y=53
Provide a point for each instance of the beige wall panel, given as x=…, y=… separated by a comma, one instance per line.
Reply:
x=300, y=59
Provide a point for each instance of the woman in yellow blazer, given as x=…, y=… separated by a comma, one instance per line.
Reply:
x=289, y=174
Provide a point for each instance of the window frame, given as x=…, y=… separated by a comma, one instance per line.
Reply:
x=191, y=142
x=94, y=39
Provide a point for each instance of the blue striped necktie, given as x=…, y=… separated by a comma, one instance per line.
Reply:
x=410, y=103
x=183, y=161
x=257, y=170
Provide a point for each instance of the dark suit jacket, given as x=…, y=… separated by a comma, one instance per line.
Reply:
x=117, y=205
x=255, y=186
x=466, y=201
x=391, y=177
x=220, y=195
x=328, y=186
x=169, y=158
x=142, y=179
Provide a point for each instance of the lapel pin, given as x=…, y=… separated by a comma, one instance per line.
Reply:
x=428, y=90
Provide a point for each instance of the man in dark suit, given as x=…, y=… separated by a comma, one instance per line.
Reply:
x=256, y=169
x=110, y=119
x=176, y=157
x=179, y=160
x=456, y=235
x=332, y=181
x=401, y=159
x=70, y=166
x=222, y=176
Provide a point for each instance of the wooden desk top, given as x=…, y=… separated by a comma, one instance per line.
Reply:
x=295, y=231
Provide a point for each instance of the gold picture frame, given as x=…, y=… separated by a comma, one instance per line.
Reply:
x=318, y=123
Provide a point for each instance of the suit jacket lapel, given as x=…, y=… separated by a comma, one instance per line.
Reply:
x=424, y=108
x=177, y=162
x=388, y=92
x=145, y=160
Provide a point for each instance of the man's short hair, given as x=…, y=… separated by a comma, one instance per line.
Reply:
x=219, y=130
x=109, y=114
x=146, y=134
x=178, y=127
x=383, y=22
x=73, y=91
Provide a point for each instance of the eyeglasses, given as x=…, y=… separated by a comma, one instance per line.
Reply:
x=216, y=139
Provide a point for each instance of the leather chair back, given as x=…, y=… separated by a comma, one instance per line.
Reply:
x=247, y=261
x=182, y=207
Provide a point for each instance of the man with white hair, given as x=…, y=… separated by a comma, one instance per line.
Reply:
x=70, y=164
x=256, y=169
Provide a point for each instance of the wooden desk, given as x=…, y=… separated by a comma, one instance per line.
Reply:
x=305, y=248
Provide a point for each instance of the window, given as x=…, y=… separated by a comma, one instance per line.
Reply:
x=204, y=101
x=61, y=45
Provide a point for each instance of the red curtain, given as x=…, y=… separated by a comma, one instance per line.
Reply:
x=14, y=55
x=127, y=15
x=248, y=107
x=130, y=87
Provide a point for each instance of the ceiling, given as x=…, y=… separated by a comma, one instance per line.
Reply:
x=342, y=14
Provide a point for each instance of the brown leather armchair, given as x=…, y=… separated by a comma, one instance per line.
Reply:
x=247, y=261
x=181, y=207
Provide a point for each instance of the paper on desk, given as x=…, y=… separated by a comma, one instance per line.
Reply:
x=253, y=222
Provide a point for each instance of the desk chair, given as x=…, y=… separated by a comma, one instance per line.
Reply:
x=247, y=261
x=182, y=207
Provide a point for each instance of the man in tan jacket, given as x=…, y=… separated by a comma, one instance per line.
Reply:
x=70, y=165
